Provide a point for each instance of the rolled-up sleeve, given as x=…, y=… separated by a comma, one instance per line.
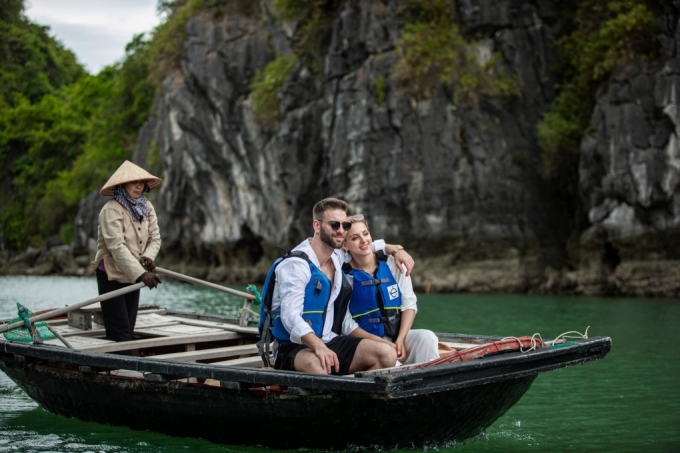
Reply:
x=409, y=300
x=153, y=245
x=292, y=276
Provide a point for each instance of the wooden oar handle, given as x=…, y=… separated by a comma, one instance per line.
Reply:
x=68, y=308
x=197, y=281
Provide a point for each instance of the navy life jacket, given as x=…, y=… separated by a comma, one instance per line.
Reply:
x=376, y=300
x=317, y=297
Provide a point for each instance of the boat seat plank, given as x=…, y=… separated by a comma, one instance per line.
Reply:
x=151, y=319
x=208, y=354
x=79, y=342
x=143, y=321
x=219, y=325
x=254, y=361
x=175, y=329
x=457, y=345
x=126, y=373
x=166, y=341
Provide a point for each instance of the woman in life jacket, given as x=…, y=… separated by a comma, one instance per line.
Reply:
x=383, y=303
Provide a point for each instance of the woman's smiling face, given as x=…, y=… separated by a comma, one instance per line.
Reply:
x=358, y=240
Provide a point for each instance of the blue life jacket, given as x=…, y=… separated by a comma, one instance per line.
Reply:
x=317, y=297
x=376, y=301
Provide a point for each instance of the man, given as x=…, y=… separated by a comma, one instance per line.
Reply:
x=310, y=301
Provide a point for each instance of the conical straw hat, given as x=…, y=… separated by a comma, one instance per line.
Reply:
x=129, y=172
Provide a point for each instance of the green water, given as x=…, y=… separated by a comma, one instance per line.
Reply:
x=628, y=402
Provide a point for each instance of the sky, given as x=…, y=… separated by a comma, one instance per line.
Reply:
x=96, y=31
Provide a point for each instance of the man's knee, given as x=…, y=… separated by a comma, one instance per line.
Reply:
x=388, y=355
x=308, y=362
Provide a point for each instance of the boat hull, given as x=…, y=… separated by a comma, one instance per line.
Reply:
x=325, y=419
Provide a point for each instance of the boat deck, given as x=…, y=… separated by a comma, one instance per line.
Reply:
x=164, y=335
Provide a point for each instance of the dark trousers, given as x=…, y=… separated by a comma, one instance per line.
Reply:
x=120, y=313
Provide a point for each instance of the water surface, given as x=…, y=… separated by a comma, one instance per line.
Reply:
x=628, y=402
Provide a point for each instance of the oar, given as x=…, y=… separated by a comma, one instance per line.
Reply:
x=68, y=308
x=196, y=281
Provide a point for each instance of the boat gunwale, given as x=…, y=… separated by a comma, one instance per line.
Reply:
x=390, y=384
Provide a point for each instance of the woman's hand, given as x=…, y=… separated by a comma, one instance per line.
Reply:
x=147, y=263
x=150, y=279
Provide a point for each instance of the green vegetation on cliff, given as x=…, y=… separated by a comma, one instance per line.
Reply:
x=434, y=53
x=313, y=31
x=266, y=85
x=595, y=36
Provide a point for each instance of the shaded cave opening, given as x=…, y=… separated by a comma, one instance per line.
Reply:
x=610, y=257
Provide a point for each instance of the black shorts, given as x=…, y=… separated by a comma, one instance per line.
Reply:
x=343, y=346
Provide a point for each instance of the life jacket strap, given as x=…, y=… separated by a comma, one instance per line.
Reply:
x=384, y=318
x=375, y=281
x=264, y=346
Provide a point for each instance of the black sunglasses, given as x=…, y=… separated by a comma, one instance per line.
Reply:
x=335, y=225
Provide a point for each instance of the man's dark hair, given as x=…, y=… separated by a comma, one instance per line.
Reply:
x=326, y=204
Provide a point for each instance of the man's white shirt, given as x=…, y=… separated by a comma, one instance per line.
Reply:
x=292, y=277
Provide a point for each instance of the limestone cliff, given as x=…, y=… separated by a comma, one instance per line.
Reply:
x=460, y=185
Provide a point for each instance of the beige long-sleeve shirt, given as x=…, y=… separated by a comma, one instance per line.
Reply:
x=121, y=242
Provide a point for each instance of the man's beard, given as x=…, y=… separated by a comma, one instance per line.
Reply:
x=328, y=239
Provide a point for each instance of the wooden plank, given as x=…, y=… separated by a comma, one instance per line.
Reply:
x=80, y=342
x=219, y=325
x=457, y=345
x=208, y=354
x=255, y=361
x=127, y=374
x=146, y=320
x=165, y=341
x=151, y=319
x=175, y=329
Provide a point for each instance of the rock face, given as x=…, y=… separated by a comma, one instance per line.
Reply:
x=460, y=186
x=630, y=175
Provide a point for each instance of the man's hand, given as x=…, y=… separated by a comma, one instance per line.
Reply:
x=147, y=263
x=328, y=358
x=404, y=259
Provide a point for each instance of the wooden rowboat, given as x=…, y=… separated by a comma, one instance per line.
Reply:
x=197, y=375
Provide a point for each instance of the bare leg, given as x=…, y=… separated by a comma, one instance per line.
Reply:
x=307, y=362
x=372, y=355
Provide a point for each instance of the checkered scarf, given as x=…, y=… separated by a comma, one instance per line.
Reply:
x=138, y=209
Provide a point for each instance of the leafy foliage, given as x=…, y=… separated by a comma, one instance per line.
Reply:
x=434, y=53
x=266, y=85
x=60, y=141
x=380, y=87
x=32, y=64
x=119, y=100
x=312, y=34
x=167, y=48
x=596, y=36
